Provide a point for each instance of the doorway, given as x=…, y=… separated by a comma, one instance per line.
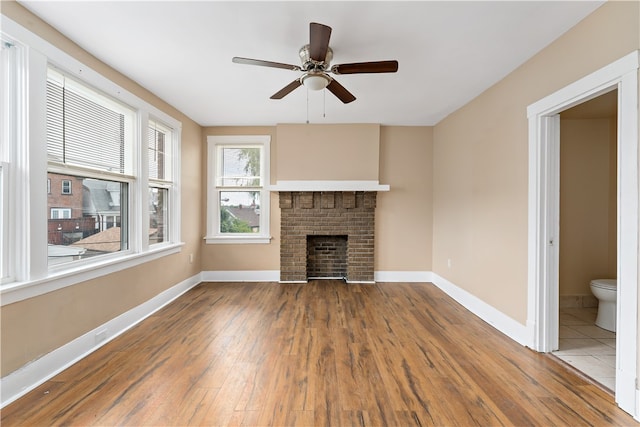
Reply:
x=543, y=282
x=588, y=233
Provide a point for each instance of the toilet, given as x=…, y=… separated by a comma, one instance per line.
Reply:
x=606, y=292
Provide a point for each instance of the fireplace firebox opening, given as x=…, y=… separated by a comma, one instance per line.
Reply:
x=326, y=257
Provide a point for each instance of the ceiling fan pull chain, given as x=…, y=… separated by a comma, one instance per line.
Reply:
x=307, y=106
x=324, y=104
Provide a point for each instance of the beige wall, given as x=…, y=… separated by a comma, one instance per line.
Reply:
x=481, y=161
x=587, y=207
x=328, y=152
x=403, y=215
x=34, y=327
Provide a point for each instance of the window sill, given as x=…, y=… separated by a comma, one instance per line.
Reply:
x=221, y=240
x=18, y=291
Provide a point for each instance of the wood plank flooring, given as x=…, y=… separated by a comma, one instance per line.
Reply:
x=321, y=354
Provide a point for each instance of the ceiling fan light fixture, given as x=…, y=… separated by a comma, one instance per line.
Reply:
x=315, y=81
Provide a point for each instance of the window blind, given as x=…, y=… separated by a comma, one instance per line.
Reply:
x=83, y=131
x=156, y=152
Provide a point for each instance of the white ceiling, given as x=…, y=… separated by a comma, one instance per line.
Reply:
x=448, y=52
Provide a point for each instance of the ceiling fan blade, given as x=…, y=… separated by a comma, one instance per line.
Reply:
x=318, y=41
x=366, y=67
x=249, y=61
x=286, y=90
x=340, y=92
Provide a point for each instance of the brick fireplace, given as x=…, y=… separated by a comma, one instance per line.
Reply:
x=320, y=227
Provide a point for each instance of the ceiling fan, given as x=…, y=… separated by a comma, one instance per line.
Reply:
x=316, y=57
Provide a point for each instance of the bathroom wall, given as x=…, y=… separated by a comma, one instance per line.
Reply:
x=587, y=204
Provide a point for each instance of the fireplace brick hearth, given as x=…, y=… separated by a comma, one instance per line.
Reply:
x=327, y=213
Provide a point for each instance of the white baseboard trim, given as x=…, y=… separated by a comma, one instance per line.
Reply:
x=31, y=375
x=484, y=311
x=241, y=276
x=274, y=276
x=403, y=276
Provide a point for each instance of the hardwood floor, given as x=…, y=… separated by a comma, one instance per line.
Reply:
x=321, y=354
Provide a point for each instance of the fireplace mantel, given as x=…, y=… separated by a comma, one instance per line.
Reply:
x=335, y=185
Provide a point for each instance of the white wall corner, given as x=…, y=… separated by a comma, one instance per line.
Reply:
x=33, y=374
x=494, y=317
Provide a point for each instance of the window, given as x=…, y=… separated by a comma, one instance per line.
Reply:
x=87, y=131
x=66, y=186
x=111, y=199
x=238, y=197
x=158, y=215
x=58, y=213
x=10, y=117
x=160, y=180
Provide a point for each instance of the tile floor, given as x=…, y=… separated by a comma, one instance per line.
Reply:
x=587, y=347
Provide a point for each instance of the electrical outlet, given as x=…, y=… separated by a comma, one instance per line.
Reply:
x=449, y=262
x=190, y=258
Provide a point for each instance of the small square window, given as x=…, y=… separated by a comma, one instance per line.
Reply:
x=66, y=186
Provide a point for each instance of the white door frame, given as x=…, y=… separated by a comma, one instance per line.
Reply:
x=544, y=199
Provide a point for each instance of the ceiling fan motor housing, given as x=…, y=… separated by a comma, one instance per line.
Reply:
x=309, y=64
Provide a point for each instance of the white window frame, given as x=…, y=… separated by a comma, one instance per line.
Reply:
x=214, y=143
x=30, y=274
x=59, y=211
x=12, y=124
x=62, y=184
x=169, y=183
